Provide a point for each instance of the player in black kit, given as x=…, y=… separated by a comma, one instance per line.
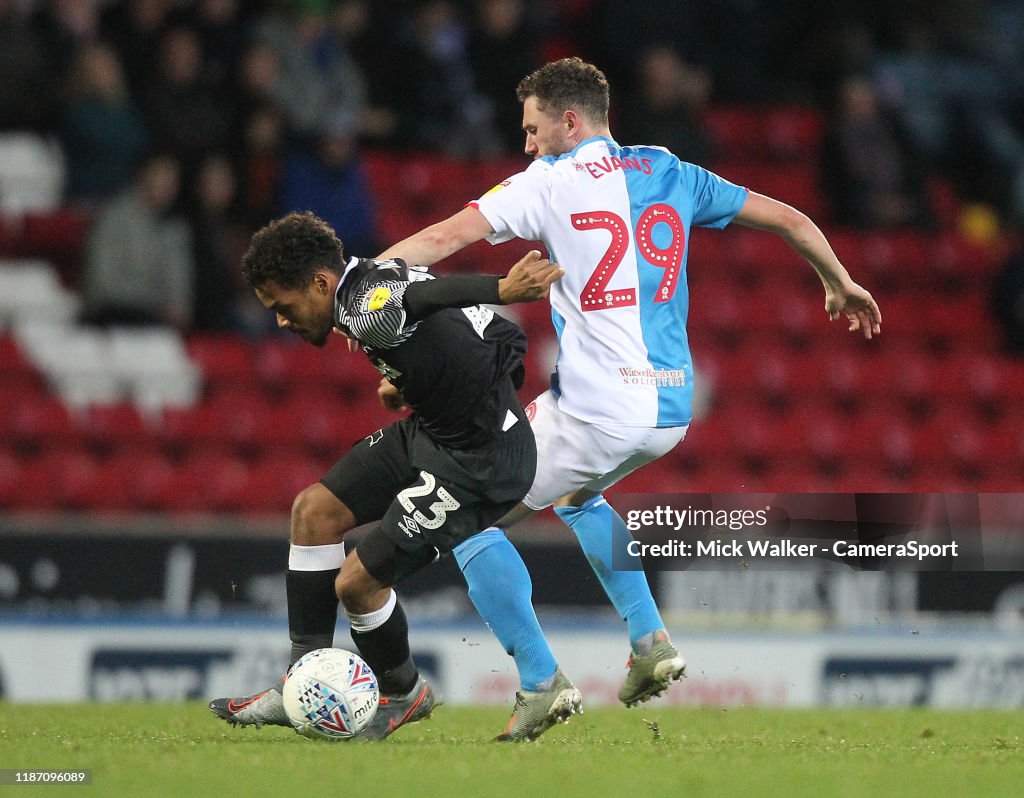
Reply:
x=458, y=463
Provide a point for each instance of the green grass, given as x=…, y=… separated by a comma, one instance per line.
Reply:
x=181, y=750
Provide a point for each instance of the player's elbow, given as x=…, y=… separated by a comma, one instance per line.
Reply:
x=791, y=223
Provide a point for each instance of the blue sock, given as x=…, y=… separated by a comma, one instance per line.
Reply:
x=501, y=590
x=596, y=526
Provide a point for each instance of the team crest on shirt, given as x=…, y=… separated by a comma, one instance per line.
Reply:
x=378, y=298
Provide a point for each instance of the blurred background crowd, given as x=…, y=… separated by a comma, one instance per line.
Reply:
x=178, y=127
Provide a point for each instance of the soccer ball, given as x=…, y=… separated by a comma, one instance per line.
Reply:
x=330, y=694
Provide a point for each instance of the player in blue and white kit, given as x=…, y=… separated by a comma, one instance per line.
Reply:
x=617, y=220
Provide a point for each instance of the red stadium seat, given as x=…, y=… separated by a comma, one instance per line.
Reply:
x=737, y=131
x=222, y=358
x=795, y=184
x=286, y=365
x=11, y=466
x=793, y=133
x=57, y=479
x=148, y=478
x=207, y=482
x=33, y=419
x=274, y=482
x=108, y=426
x=200, y=427
x=766, y=134
x=894, y=259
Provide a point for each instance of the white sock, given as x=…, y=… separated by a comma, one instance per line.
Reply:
x=328, y=557
x=369, y=621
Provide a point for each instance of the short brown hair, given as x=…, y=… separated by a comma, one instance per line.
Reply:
x=568, y=83
x=289, y=250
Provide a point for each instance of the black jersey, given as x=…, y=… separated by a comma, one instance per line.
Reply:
x=457, y=368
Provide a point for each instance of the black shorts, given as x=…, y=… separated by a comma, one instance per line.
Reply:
x=428, y=498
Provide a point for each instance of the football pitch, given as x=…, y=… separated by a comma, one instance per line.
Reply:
x=180, y=749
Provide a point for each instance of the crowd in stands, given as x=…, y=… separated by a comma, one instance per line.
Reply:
x=260, y=107
x=185, y=125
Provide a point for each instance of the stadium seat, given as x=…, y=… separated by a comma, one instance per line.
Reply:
x=795, y=184
x=114, y=425
x=10, y=474
x=792, y=133
x=182, y=430
x=31, y=291
x=221, y=358
x=737, y=131
x=146, y=478
x=286, y=365
x=57, y=478
x=33, y=420
x=31, y=172
x=780, y=133
x=275, y=481
x=207, y=482
x=155, y=368
x=894, y=260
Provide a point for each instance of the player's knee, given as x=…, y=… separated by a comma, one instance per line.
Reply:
x=355, y=590
x=578, y=498
x=319, y=518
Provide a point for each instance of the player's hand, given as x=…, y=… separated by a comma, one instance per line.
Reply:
x=857, y=305
x=530, y=279
x=390, y=397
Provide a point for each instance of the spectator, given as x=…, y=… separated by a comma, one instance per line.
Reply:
x=138, y=264
x=219, y=239
x=65, y=27
x=260, y=162
x=961, y=111
x=258, y=76
x=367, y=29
x=27, y=78
x=314, y=75
x=503, y=47
x=221, y=36
x=187, y=117
x=329, y=180
x=102, y=131
x=669, y=105
x=134, y=28
x=869, y=175
x=441, y=108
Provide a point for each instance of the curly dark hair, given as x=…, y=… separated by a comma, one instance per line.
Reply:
x=568, y=83
x=290, y=249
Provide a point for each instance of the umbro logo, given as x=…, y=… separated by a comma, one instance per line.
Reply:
x=409, y=526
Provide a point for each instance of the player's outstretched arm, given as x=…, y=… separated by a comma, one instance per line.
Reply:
x=842, y=294
x=440, y=240
x=529, y=280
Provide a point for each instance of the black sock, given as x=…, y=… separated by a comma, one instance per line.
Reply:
x=386, y=651
x=312, y=610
